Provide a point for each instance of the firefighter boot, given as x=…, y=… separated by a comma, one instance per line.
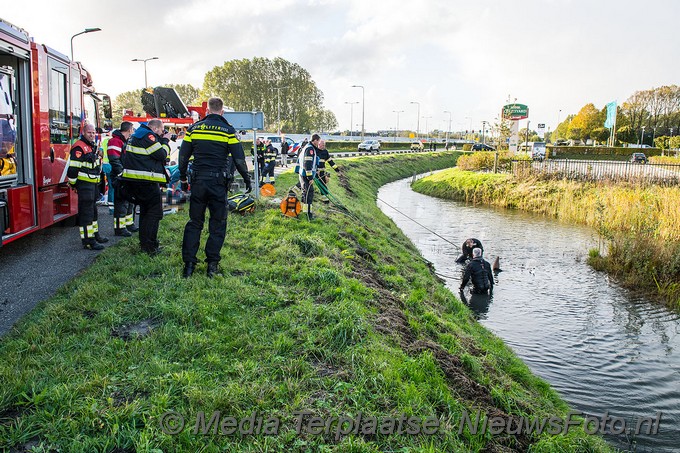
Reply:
x=91, y=244
x=122, y=232
x=132, y=228
x=100, y=239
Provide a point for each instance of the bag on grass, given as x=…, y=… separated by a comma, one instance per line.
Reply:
x=241, y=203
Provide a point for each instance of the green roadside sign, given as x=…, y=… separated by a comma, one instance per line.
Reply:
x=515, y=112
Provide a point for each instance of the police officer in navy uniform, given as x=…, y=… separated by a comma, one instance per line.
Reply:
x=143, y=174
x=84, y=176
x=325, y=158
x=308, y=160
x=210, y=141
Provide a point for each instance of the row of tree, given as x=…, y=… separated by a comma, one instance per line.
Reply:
x=643, y=117
x=278, y=88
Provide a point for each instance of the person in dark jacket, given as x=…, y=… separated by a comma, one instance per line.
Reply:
x=325, y=158
x=258, y=151
x=123, y=210
x=84, y=176
x=306, y=168
x=143, y=174
x=479, y=271
x=210, y=141
x=284, y=152
x=467, y=248
x=270, y=153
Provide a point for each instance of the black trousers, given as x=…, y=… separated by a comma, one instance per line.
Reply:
x=123, y=211
x=88, y=194
x=269, y=169
x=147, y=195
x=206, y=193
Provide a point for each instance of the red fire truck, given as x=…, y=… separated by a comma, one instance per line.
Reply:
x=44, y=100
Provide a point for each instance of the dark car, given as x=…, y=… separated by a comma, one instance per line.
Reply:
x=482, y=147
x=638, y=158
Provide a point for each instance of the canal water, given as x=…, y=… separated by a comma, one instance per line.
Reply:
x=603, y=348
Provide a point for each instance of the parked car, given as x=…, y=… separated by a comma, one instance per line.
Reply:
x=482, y=147
x=417, y=146
x=276, y=143
x=561, y=142
x=369, y=145
x=638, y=158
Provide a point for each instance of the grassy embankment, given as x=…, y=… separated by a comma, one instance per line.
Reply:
x=331, y=316
x=641, y=225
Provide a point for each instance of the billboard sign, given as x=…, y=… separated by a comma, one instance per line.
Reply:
x=541, y=130
x=515, y=112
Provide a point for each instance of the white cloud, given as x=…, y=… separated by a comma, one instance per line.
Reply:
x=455, y=55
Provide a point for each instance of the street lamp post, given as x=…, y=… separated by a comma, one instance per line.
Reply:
x=418, y=124
x=87, y=30
x=484, y=123
x=642, y=135
x=396, y=131
x=448, y=131
x=146, y=83
x=363, y=109
x=669, y=143
x=559, y=112
x=278, y=108
x=427, y=130
x=351, y=120
x=469, y=118
x=526, y=142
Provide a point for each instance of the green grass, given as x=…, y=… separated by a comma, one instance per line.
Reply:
x=338, y=317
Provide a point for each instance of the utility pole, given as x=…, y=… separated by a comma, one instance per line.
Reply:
x=418, y=117
x=87, y=30
x=526, y=142
x=396, y=131
x=351, y=118
x=278, y=108
x=146, y=84
x=448, y=131
x=363, y=109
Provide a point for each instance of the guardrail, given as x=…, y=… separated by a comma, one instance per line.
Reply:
x=598, y=170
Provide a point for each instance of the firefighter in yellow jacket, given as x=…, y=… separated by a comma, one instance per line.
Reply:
x=84, y=176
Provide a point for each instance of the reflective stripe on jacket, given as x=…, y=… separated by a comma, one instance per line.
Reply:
x=84, y=163
x=144, y=158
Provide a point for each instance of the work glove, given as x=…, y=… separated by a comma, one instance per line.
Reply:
x=184, y=185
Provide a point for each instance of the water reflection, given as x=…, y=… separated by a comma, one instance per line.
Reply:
x=478, y=303
x=601, y=347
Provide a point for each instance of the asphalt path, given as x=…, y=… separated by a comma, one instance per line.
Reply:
x=34, y=267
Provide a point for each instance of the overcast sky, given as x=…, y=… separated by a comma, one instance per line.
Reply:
x=467, y=57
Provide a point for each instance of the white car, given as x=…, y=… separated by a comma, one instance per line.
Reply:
x=276, y=143
x=369, y=145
